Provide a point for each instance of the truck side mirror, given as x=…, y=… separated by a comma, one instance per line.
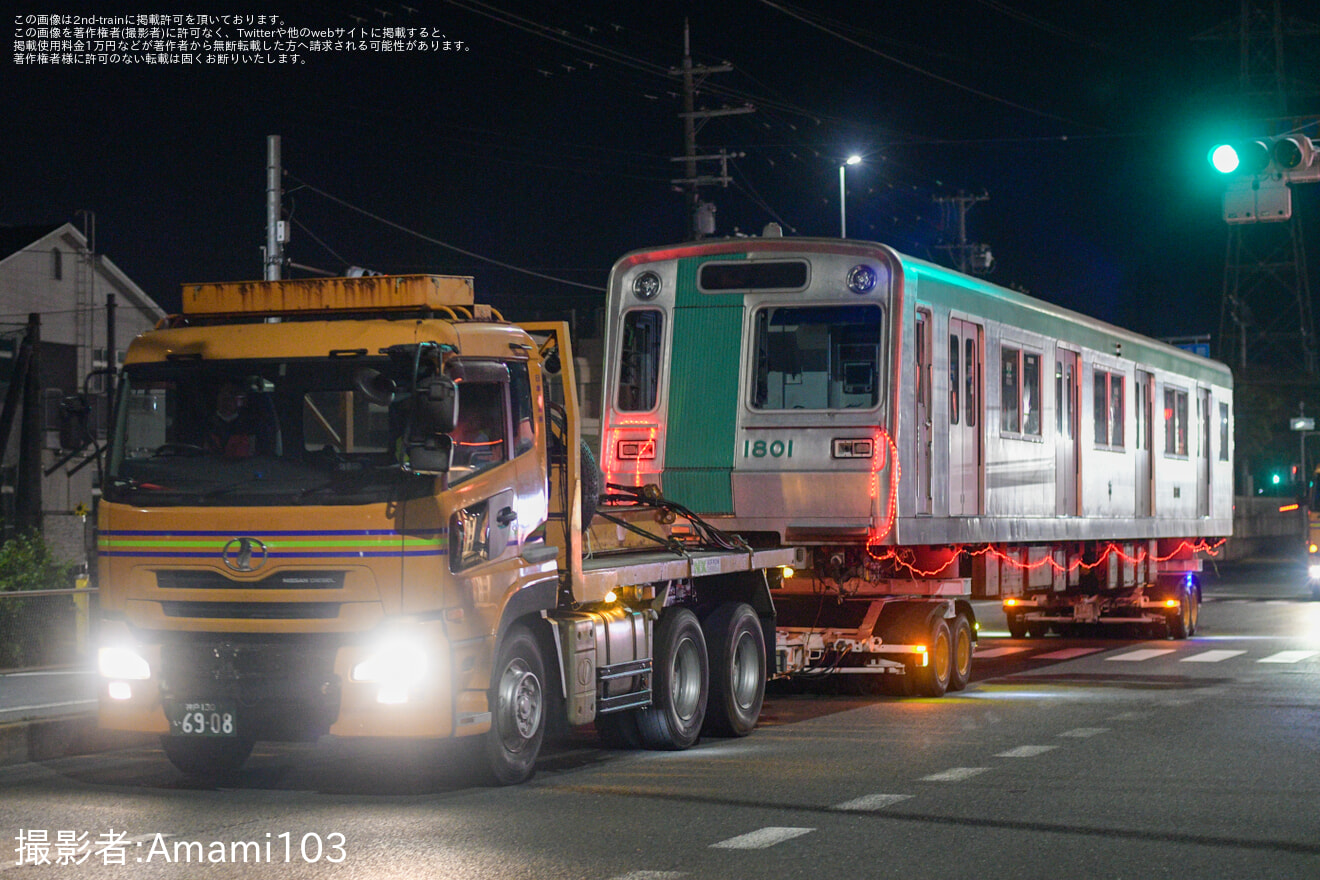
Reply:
x=437, y=404
x=429, y=448
x=430, y=456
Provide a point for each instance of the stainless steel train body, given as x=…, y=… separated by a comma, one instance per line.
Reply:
x=837, y=393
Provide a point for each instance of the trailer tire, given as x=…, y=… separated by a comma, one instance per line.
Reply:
x=208, y=760
x=592, y=483
x=736, y=648
x=518, y=709
x=932, y=680
x=1016, y=628
x=680, y=681
x=1182, y=623
x=961, y=670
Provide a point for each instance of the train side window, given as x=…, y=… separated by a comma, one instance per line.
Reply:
x=1010, y=400
x=1175, y=422
x=1019, y=403
x=954, y=384
x=1223, y=432
x=1058, y=397
x=639, y=360
x=970, y=375
x=1109, y=409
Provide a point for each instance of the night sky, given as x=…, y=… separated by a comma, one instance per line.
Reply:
x=545, y=143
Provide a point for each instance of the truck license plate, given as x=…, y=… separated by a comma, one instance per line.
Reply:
x=188, y=718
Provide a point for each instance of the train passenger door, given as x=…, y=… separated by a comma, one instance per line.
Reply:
x=1202, y=452
x=1067, y=379
x=964, y=418
x=923, y=414
x=1145, y=409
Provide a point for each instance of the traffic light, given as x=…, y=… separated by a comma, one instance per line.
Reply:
x=1291, y=157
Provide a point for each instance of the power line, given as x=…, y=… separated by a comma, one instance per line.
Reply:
x=444, y=244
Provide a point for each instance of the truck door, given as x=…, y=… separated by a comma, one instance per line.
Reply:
x=964, y=418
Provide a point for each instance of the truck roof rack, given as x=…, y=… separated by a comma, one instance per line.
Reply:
x=390, y=295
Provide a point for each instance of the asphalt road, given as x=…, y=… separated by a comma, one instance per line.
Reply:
x=1088, y=757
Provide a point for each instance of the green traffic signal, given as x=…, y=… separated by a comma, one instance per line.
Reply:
x=1249, y=157
x=1225, y=158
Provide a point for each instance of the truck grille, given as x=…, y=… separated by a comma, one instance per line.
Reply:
x=253, y=610
x=190, y=579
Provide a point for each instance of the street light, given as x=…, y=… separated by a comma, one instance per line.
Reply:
x=843, y=204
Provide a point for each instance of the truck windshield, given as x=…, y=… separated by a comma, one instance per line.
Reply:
x=817, y=357
x=318, y=431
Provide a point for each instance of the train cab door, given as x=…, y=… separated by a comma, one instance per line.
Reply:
x=924, y=426
x=964, y=418
x=1203, y=452
x=1145, y=409
x=1067, y=387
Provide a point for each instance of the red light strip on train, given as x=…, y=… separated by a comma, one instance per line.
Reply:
x=895, y=556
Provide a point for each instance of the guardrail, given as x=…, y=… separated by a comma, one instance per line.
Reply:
x=40, y=628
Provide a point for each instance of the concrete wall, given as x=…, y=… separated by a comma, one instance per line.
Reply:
x=1261, y=530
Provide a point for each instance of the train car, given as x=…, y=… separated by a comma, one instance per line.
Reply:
x=924, y=435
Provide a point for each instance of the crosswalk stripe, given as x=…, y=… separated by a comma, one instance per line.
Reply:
x=998, y=652
x=762, y=838
x=1143, y=654
x=1211, y=656
x=872, y=802
x=1288, y=657
x=1026, y=751
x=1066, y=654
x=955, y=774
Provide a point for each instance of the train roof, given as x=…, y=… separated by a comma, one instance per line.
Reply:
x=969, y=294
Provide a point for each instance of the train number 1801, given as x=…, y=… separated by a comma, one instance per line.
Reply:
x=771, y=448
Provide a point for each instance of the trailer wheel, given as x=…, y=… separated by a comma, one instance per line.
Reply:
x=1182, y=623
x=961, y=672
x=679, y=684
x=1016, y=628
x=736, y=646
x=206, y=759
x=932, y=680
x=518, y=709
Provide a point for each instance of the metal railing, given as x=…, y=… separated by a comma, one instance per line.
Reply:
x=41, y=628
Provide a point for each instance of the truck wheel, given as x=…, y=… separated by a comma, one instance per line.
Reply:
x=204, y=758
x=737, y=669
x=518, y=709
x=1016, y=628
x=932, y=680
x=679, y=683
x=961, y=672
x=1180, y=621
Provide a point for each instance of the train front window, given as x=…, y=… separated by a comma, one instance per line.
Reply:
x=639, y=360
x=817, y=357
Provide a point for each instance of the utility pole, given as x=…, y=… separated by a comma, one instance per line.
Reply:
x=277, y=231
x=701, y=215
x=966, y=256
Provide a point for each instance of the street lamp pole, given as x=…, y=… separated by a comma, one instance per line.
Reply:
x=843, y=199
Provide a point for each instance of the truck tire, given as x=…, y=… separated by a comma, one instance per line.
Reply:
x=518, y=709
x=932, y=680
x=1182, y=623
x=679, y=683
x=1016, y=627
x=207, y=759
x=963, y=646
x=736, y=647
x=592, y=484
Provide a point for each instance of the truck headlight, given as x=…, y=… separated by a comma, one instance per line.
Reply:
x=397, y=664
x=1313, y=571
x=121, y=663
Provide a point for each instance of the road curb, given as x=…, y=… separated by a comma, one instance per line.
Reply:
x=46, y=739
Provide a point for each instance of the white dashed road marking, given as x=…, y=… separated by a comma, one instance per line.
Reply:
x=762, y=838
x=990, y=653
x=1211, y=656
x=872, y=802
x=651, y=875
x=1143, y=654
x=1026, y=751
x=1066, y=654
x=955, y=774
x=1084, y=732
x=1288, y=657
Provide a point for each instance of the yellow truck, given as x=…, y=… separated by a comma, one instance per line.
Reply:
x=361, y=507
